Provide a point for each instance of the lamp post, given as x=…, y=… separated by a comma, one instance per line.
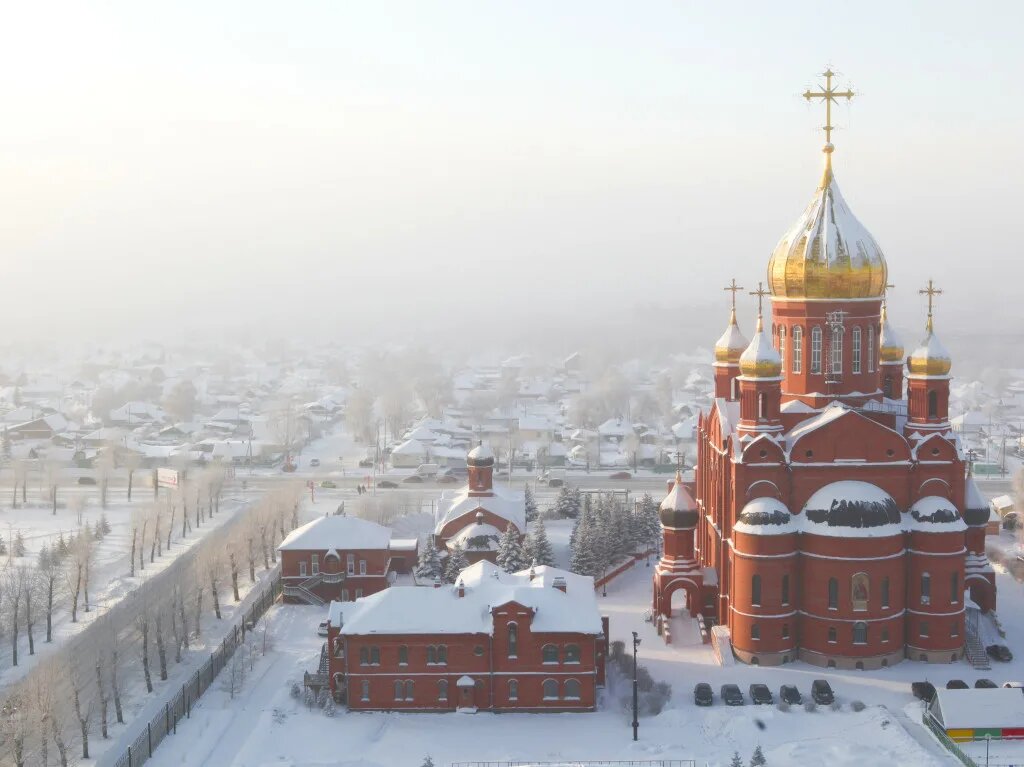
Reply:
x=636, y=724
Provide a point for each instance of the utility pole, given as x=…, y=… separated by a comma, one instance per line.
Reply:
x=636, y=724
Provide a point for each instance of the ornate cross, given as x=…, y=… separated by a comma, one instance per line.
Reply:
x=931, y=291
x=760, y=293
x=829, y=95
x=733, y=287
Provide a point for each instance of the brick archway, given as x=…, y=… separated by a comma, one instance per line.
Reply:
x=982, y=592
x=693, y=591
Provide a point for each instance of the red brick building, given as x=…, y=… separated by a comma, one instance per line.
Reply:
x=342, y=558
x=476, y=516
x=832, y=518
x=529, y=641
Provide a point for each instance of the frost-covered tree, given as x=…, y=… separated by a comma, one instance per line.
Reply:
x=647, y=524
x=585, y=550
x=455, y=564
x=736, y=760
x=429, y=565
x=428, y=762
x=510, y=556
x=530, y=504
x=575, y=502
x=563, y=504
x=537, y=549
x=20, y=550
x=758, y=760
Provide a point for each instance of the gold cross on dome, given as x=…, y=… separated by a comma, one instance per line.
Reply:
x=931, y=291
x=828, y=94
x=760, y=293
x=733, y=287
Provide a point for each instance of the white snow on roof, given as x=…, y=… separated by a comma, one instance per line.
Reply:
x=929, y=506
x=847, y=490
x=733, y=338
x=429, y=610
x=488, y=535
x=403, y=544
x=1002, y=502
x=678, y=499
x=760, y=350
x=767, y=506
x=504, y=503
x=409, y=447
x=979, y=709
x=833, y=412
x=481, y=452
x=337, y=533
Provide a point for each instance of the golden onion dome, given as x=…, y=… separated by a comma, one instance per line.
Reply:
x=759, y=359
x=890, y=348
x=931, y=357
x=827, y=253
x=730, y=346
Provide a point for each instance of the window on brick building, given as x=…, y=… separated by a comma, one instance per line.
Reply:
x=871, y=348
x=344, y=595
x=364, y=656
x=399, y=690
x=550, y=653
x=362, y=567
x=833, y=594
x=860, y=632
x=513, y=689
x=954, y=587
x=855, y=342
x=365, y=690
x=302, y=569
x=785, y=631
x=816, y=350
x=859, y=585
x=350, y=564
x=374, y=656
x=513, y=640
x=933, y=404
x=442, y=654
x=785, y=589
x=755, y=631
x=782, y=345
x=762, y=405
x=954, y=630
x=887, y=387
x=571, y=653
x=403, y=655
x=798, y=349
x=359, y=593
x=315, y=564
x=755, y=590
x=837, y=351
x=885, y=592
x=832, y=634
x=409, y=689
x=922, y=628
x=442, y=690
x=572, y=689
x=926, y=588
x=339, y=647
x=431, y=654
x=885, y=635
x=550, y=689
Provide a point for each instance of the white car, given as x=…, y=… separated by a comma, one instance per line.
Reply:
x=314, y=462
x=321, y=630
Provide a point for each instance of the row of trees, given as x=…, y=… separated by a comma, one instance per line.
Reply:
x=606, y=532
x=81, y=690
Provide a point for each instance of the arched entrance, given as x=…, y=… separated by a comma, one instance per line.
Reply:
x=692, y=589
x=982, y=592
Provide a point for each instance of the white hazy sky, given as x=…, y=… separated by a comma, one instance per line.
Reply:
x=364, y=164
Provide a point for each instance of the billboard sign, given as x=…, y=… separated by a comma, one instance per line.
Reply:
x=167, y=477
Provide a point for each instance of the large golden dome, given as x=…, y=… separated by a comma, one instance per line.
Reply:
x=827, y=253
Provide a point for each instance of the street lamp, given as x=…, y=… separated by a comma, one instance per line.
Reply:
x=636, y=724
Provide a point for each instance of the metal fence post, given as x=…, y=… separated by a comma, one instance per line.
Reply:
x=129, y=756
x=149, y=737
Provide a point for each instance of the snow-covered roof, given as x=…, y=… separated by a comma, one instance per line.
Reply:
x=476, y=537
x=481, y=452
x=760, y=358
x=851, y=509
x=409, y=447
x=678, y=499
x=346, y=533
x=934, y=514
x=504, y=503
x=978, y=708
x=429, y=610
x=766, y=516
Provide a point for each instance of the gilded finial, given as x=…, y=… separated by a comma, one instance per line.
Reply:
x=733, y=287
x=760, y=293
x=931, y=291
x=829, y=95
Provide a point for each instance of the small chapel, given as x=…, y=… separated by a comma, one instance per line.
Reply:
x=832, y=517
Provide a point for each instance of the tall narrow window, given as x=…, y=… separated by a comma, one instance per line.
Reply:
x=832, y=634
x=365, y=689
x=785, y=589
x=550, y=688
x=755, y=631
x=833, y=594
x=431, y=654
x=302, y=569
x=513, y=640
x=315, y=564
x=409, y=690
x=860, y=632
x=399, y=690
x=572, y=689
x=513, y=689
x=798, y=349
x=782, y=345
x=923, y=628
x=571, y=653
x=374, y=656
x=885, y=592
x=364, y=656
x=871, y=348
x=442, y=690
x=837, y=351
x=549, y=653
x=887, y=387
x=954, y=587
x=926, y=588
x=755, y=590
x=855, y=342
x=442, y=653
x=762, y=405
x=859, y=591
x=816, y=350
x=933, y=404
x=350, y=564
x=403, y=656
x=362, y=567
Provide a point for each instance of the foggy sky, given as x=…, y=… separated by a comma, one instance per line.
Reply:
x=337, y=168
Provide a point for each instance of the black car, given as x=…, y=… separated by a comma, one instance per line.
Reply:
x=999, y=652
x=821, y=692
x=957, y=684
x=86, y=481
x=702, y=695
x=789, y=694
x=985, y=684
x=923, y=691
x=387, y=484
x=761, y=695
x=731, y=695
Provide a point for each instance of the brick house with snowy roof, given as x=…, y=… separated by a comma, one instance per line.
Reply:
x=342, y=558
x=527, y=641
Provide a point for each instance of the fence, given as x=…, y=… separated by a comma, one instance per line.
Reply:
x=948, y=742
x=180, y=706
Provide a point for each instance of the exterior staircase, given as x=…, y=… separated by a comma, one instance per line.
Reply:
x=974, y=648
x=303, y=591
x=318, y=679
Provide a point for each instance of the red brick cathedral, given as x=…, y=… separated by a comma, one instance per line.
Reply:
x=832, y=518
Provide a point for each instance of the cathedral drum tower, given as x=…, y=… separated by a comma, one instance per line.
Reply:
x=834, y=520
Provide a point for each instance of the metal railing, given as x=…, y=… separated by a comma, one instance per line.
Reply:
x=947, y=741
x=180, y=706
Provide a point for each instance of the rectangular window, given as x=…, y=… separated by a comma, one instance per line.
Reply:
x=832, y=635
x=350, y=564
x=362, y=567
x=955, y=630
x=954, y=590
x=755, y=631
x=344, y=595
x=403, y=656
x=755, y=590
x=315, y=564
x=364, y=656
x=885, y=635
x=785, y=589
x=816, y=350
x=785, y=631
x=798, y=349
x=365, y=689
x=871, y=348
x=926, y=588
x=782, y=345
x=885, y=593
x=302, y=569
x=374, y=656
x=856, y=350
x=923, y=629
x=837, y=351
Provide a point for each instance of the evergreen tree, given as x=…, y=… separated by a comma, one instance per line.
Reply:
x=428, y=762
x=649, y=523
x=429, y=566
x=44, y=557
x=3, y=545
x=736, y=761
x=62, y=547
x=603, y=544
x=510, y=551
x=97, y=531
x=455, y=564
x=584, y=546
x=540, y=551
x=575, y=501
x=625, y=538
x=105, y=523
x=758, y=760
x=19, y=545
x=563, y=504
x=530, y=503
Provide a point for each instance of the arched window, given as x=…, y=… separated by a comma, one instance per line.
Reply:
x=926, y=588
x=431, y=654
x=755, y=590
x=860, y=632
x=933, y=404
x=513, y=689
x=399, y=690
x=816, y=349
x=859, y=585
x=798, y=349
x=572, y=689
x=871, y=348
x=833, y=594
x=550, y=653
x=887, y=387
x=364, y=656
x=403, y=655
x=785, y=589
x=442, y=690
x=374, y=656
x=550, y=688
x=442, y=653
x=408, y=689
x=365, y=690
x=885, y=592
x=837, y=351
x=755, y=631
x=782, y=345
x=571, y=653
x=762, y=405
x=513, y=640
x=954, y=587
x=855, y=342
x=832, y=634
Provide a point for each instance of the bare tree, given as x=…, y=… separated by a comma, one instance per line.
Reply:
x=50, y=572
x=104, y=468
x=142, y=624
x=131, y=461
x=78, y=503
x=234, y=674
x=233, y=557
x=82, y=697
x=115, y=680
x=32, y=592
x=13, y=586
x=20, y=470
x=16, y=723
x=101, y=691
x=52, y=471
x=213, y=567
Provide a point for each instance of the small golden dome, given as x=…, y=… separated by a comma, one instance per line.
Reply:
x=890, y=348
x=931, y=357
x=827, y=253
x=759, y=359
x=730, y=346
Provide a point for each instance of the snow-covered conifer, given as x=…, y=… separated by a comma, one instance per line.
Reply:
x=736, y=760
x=540, y=551
x=429, y=566
x=455, y=564
x=758, y=760
x=530, y=504
x=19, y=545
x=510, y=551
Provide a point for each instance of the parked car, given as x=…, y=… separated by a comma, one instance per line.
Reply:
x=702, y=695
x=620, y=475
x=314, y=462
x=447, y=479
x=957, y=684
x=923, y=691
x=760, y=695
x=330, y=484
x=999, y=652
x=321, y=630
x=789, y=694
x=821, y=692
x=985, y=684
x=731, y=695
x=413, y=479
x=366, y=463
x=428, y=469
x=387, y=484
x=86, y=481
